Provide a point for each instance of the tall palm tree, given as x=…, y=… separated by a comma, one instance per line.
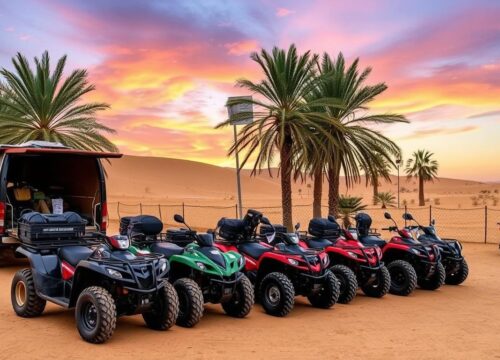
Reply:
x=355, y=142
x=422, y=166
x=286, y=122
x=348, y=207
x=385, y=199
x=381, y=169
x=39, y=105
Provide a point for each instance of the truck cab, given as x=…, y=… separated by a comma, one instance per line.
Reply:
x=49, y=178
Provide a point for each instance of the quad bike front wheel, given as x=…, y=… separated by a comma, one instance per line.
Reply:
x=403, y=277
x=191, y=303
x=277, y=294
x=436, y=280
x=380, y=287
x=165, y=308
x=242, y=300
x=95, y=314
x=329, y=293
x=25, y=301
x=347, y=281
x=458, y=277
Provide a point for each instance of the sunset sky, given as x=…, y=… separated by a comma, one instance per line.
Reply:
x=167, y=67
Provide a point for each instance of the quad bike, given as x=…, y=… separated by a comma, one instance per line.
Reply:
x=100, y=278
x=409, y=261
x=280, y=272
x=200, y=272
x=353, y=263
x=455, y=265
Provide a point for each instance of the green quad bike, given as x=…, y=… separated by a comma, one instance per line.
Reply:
x=200, y=272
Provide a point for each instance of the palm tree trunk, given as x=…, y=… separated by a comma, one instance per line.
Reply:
x=318, y=192
x=421, y=197
x=333, y=189
x=375, y=190
x=286, y=182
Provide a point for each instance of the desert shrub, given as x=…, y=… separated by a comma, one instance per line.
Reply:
x=437, y=201
x=475, y=201
x=412, y=201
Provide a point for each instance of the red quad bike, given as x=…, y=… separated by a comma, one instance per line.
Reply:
x=409, y=261
x=354, y=264
x=281, y=272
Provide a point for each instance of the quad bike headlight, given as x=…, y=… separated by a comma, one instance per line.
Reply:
x=114, y=273
x=163, y=266
x=241, y=261
x=353, y=255
x=201, y=265
x=326, y=261
x=293, y=262
x=415, y=251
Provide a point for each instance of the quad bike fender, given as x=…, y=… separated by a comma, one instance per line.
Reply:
x=45, y=268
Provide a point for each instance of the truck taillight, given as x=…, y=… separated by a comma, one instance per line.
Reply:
x=2, y=217
x=104, y=216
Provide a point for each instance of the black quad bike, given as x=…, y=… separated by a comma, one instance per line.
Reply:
x=94, y=274
x=409, y=261
x=454, y=263
x=280, y=272
x=200, y=272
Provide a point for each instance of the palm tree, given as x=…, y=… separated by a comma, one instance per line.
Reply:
x=380, y=169
x=385, y=199
x=422, y=166
x=355, y=144
x=348, y=207
x=37, y=105
x=286, y=122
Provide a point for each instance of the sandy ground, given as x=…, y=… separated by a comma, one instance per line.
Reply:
x=461, y=322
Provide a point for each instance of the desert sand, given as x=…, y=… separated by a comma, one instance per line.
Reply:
x=454, y=322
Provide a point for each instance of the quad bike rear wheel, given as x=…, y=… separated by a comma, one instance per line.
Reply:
x=277, y=294
x=403, y=277
x=95, y=314
x=165, y=308
x=191, y=303
x=242, y=300
x=459, y=276
x=25, y=301
x=381, y=286
x=436, y=280
x=347, y=282
x=329, y=293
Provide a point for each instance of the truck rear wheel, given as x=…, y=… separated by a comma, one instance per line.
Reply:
x=164, y=311
x=277, y=294
x=403, y=277
x=347, y=281
x=329, y=293
x=95, y=314
x=459, y=276
x=242, y=301
x=191, y=303
x=381, y=286
x=25, y=301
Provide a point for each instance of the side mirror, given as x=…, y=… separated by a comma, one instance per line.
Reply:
x=297, y=226
x=178, y=218
x=331, y=218
x=265, y=220
x=387, y=216
x=407, y=216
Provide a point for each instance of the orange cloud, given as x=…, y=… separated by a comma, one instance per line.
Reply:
x=242, y=47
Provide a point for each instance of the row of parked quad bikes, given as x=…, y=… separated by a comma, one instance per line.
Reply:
x=168, y=277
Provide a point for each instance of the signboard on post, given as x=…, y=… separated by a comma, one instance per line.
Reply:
x=240, y=113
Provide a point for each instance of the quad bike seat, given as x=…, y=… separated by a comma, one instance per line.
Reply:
x=166, y=248
x=318, y=243
x=372, y=240
x=254, y=249
x=74, y=254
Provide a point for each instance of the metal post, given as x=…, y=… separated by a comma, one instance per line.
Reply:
x=159, y=212
x=485, y=224
x=406, y=210
x=118, y=210
x=140, y=207
x=398, y=184
x=236, y=209
x=183, y=209
x=238, y=180
x=430, y=214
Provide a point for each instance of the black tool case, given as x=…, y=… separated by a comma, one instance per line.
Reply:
x=34, y=227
